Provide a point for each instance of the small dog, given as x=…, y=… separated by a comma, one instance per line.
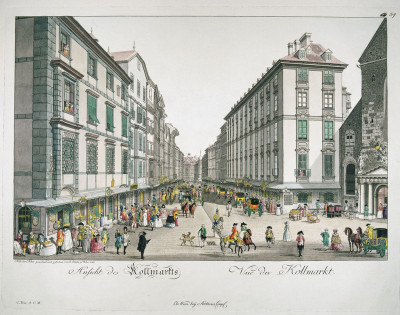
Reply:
x=187, y=238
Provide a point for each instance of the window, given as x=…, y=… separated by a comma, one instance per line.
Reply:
x=110, y=160
x=118, y=90
x=68, y=154
x=268, y=89
x=328, y=132
x=268, y=165
x=276, y=132
x=275, y=102
x=328, y=56
x=328, y=165
x=65, y=44
x=133, y=82
x=350, y=179
x=328, y=77
x=251, y=166
x=124, y=120
x=91, y=157
x=262, y=111
x=262, y=165
x=328, y=100
x=110, y=81
x=256, y=166
x=92, y=67
x=268, y=134
x=140, y=142
x=268, y=106
x=123, y=92
x=302, y=164
x=138, y=88
x=275, y=165
x=144, y=95
x=92, y=110
x=275, y=80
x=110, y=118
x=302, y=54
x=302, y=99
x=69, y=97
x=302, y=75
x=124, y=162
x=302, y=132
x=329, y=197
x=302, y=197
x=139, y=115
x=349, y=138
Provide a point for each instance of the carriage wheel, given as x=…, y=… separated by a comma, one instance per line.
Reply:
x=365, y=250
x=382, y=251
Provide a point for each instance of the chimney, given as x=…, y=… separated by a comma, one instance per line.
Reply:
x=305, y=40
x=290, y=48
x=296, y=45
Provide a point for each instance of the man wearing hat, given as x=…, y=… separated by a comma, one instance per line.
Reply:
x=300, y=242
x=203, y=235
x=229, y=208
x=60, y=240
x=216, y=218
x=369, y=230
x=142, y=244
x=325, y=239
x=269, y=235
x=233, y=236
x=243, y=229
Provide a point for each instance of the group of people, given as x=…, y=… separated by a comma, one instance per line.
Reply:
x=336, y=243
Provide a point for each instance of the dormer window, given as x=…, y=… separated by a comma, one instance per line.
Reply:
x=302, y=54
x=327, y=55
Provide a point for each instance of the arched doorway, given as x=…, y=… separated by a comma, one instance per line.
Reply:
x=382, y=198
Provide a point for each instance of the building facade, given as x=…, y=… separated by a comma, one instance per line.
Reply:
x=283, y=134
x=364, y=138
x=71, y=127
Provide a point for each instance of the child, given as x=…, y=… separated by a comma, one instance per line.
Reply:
x=269, y=236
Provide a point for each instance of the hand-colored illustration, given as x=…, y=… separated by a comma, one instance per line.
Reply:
x=97, y=166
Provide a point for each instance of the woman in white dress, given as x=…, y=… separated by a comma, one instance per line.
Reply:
x=17, y=244
x=144, y=217
x=158, y=223
x=68, y=244
x=286, y=233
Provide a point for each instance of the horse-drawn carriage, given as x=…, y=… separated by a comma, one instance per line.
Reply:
x=222, y=192
x=240, y=198
x=378, y=242
x=253, y=205
x=187, y=205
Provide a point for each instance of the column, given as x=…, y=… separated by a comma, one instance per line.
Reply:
x=361, y=201
x=370, y=201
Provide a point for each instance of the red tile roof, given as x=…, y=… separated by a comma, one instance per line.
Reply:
x=123, y=55
x=315, y=56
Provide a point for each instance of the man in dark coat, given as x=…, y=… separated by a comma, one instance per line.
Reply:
x=142, y=244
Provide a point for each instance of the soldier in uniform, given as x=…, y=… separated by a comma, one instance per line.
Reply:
x=234, y=233
x=60, y=240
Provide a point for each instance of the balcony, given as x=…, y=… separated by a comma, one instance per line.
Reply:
x=302, y=173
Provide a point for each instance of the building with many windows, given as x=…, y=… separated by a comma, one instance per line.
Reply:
x=191, y=168
x=283, y=133
x=363, y=136
x=71, y=127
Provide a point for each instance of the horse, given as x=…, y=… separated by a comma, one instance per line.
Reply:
x=185, y=209
x=217, y=228
x=192, y=208
x=247, y=240
x=227, y=241
x=354, y=239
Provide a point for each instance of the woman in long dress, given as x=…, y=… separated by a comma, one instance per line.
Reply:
x=74, y=234
x=87, y=240
x=336, y=242
x=158, y=223
x=380, y=211
x=144, y=217
x=286, y=233
x=17, y=244
x=67, y=244
x=96, y=245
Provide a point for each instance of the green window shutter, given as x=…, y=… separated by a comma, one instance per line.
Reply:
x=92, y=109
x=110, y=118
x=328, y=130
x=124, y=126
x=302, y=129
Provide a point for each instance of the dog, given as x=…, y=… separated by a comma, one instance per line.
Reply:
x=187, y=238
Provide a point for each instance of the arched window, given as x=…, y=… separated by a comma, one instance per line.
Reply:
x=350, y=179
x=24, y=220
x=349, y=138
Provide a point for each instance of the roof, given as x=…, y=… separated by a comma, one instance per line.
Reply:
x=123, y=55
x=317, y=51
x=190, y=160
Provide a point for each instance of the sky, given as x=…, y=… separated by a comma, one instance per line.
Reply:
x=203, y=65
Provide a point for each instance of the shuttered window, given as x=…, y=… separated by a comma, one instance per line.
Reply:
x=110, y=118
x=92, y=110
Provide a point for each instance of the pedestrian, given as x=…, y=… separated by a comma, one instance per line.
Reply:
x=325, y=208
x=385, y=210
x=318, y=206
x=105, y=236
x=17, y=244
x=286, y=233
x=228, y=208
x=380, y=211
x=125, y=239
x=96, y=245
x=176, y=214
x=269, y=236
x=75, y=233
x=336, y=243
x=369, y=231
x=203, y=235
x=325, y=239
x=60, y=240
x=81, y=234
x=142, y=244
x=300, y=242
x=366, y=212
x=118, y=240
x=87, y=239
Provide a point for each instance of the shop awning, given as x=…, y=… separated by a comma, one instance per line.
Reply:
x=294, y=186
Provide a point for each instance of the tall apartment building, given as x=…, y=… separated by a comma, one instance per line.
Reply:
x=71, y=127
x=283, y=133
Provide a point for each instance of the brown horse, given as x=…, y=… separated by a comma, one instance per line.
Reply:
x=185, y=209
x=247, y=240
x=355, y=239
x=192, y=208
